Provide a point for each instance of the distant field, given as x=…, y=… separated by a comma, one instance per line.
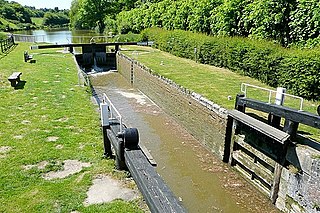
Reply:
x=37, y=21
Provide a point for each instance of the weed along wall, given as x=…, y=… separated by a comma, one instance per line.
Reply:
x=291, y=180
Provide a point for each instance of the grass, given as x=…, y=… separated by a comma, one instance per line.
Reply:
x=50, y=104
x=37, y=21
x=214, y=83
x=6, y=22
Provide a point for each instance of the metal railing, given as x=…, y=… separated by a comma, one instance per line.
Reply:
x=244, y=87
x=100, y=38
x=114, y=113
x=6, y=44
x=29, y=38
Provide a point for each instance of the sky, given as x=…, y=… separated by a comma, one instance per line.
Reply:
x=62, y=4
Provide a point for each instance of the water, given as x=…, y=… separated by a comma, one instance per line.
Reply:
x=204, y=183
x=61, y=36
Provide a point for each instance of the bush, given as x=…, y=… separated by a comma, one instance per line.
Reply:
x=297, y=70
x=130, y=37
x=3, y=36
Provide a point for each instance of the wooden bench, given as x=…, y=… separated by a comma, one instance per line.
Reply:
x=14, y=78
x=26, y=56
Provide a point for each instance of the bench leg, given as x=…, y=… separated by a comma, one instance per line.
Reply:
x=13, y=83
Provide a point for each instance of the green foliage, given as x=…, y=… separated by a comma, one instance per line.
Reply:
x=15, y=11
x=94, y=12
x=55, y=19
x=3, y=35
x=268, y=19
x=226, y=18
x=130, y=37
x=297, y=70
x=283, y=21
x=110, y=25
x=14, y=16
x=305, y=22
x=99, y=14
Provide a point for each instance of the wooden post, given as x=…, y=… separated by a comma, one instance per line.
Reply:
x=228, y=140
x=241, y=108
x=104, y=113
x=276, y=183
x=291, y=128
x=233, y=132
x=274, y=120
x=12, y=39
x=131, y=72
x=106, y=143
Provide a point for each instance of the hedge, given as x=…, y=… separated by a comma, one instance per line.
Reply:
x=296, y=70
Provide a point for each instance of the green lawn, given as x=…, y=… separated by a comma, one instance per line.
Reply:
x=37, y=21
x=214, y=83
x=50, y=105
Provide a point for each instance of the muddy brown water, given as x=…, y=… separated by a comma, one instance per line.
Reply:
x=201, y=181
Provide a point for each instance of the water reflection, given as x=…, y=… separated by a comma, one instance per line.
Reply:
x=61, y=36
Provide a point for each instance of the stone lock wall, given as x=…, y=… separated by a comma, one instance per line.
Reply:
x=300, y=181
x=205, y=120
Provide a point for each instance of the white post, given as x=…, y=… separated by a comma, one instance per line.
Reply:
x=280, y=96
x=104, y=114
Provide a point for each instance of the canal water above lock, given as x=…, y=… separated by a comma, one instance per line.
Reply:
x=201, y=181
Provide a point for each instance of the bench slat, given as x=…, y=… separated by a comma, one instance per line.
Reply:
x=14, y=76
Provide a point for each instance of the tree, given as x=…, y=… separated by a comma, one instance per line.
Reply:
x=55, y=19
x=305, y=22
x=95, y=11
x=268, y=19
x=74, y=14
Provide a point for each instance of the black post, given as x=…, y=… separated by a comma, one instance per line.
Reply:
x=274, y=120
x=120, y=162
x=228, y=140
x=291, y=128
x=13, y=40
x=241, y=108
x=106, y=143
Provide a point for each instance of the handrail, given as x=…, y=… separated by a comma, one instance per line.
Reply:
x=244, y=91
x=94, y=37
x=113, y=110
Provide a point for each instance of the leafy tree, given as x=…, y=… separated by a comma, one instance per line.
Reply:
x=95, y=11
x=268, y=19
x=54, y=19
x=75, y=20
x=226, y=18
x=15, y=11
x=305, y=22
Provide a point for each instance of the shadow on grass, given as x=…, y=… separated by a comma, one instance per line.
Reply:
x=20, y=85
x=6, y=52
